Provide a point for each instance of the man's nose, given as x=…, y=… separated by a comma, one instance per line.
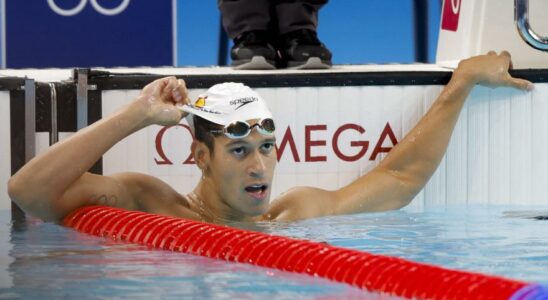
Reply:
x=257, y=165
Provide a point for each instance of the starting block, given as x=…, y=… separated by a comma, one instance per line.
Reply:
x=473, y=27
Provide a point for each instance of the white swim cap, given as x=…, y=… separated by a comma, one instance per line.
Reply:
x=227, y=102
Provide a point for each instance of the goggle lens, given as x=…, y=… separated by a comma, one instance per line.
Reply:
x=241, y=129
x=266, y=126
x=237, y=129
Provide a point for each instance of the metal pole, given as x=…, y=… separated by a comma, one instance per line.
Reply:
x=222, y=55
x=420, y=17
x=30, y=119
x=17, y=215
x=82, y=99
x=54, y=136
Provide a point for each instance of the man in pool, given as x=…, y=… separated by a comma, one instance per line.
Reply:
x=234, y=146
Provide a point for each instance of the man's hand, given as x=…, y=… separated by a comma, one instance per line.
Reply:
x=160, y=99
x=491, y=70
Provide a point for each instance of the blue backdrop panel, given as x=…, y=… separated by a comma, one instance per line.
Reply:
x=140, y=35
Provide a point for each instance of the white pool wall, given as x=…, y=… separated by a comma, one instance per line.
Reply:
x=496, y=155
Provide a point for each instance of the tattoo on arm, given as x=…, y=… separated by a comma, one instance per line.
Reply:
x=107, y=200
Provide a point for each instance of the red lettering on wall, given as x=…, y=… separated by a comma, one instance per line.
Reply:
x=160, y=150
x=308, y=144
x=363, y=144
x=288, y=139
x=189, y=160
x=386, y=132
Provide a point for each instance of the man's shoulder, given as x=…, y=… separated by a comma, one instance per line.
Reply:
x=151, y=193
x=299, y=203
x=143, y=183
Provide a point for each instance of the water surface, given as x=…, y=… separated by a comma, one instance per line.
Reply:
x=43, y=260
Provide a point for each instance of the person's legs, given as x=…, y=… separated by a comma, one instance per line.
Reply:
x=298, y=42
x=240, y=16
x=247, y=22
x=298, y=14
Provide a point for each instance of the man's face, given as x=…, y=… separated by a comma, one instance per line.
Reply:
x=242, y=169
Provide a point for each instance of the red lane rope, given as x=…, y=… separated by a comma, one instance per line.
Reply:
x=377, y=273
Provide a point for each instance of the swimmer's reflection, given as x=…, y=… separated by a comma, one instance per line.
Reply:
x=48, y=256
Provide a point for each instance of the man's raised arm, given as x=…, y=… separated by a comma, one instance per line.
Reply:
x=39, y=188
x=409, y=165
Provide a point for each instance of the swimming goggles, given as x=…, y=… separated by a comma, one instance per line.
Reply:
x=241, y=129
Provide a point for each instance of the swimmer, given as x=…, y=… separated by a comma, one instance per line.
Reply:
x=234, y=147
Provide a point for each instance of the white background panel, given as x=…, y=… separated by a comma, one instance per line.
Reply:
x=328, y=181
x=41, y=140
x=285, y=110
x=496, y=154
x=478, y=145
x=329, y=116
x=499, y=146
x=391, y=112
x=372, y=119
x=64, y=135
x=345, y=111
x=137, y=144
x=520, y=144
x=115, y=160
x=307, y=115
x=5, y=150
x=539, y=132
x=412, y=106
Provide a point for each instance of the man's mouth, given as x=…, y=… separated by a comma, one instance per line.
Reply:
x=257, y=191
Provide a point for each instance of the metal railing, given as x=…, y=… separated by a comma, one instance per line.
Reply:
x=521, y=17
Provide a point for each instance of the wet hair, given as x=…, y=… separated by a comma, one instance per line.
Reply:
x=202, y=131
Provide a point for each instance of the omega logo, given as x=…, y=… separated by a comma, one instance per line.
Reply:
x=288, y=144
x=455, y=6
x=78, y=8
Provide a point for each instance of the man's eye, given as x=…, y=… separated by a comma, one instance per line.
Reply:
x=238, y=151
x=267, y=147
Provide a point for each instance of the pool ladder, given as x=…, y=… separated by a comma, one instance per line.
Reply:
x=521, y=17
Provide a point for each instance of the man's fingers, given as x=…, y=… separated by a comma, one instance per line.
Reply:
x=157, y=86
x=521, y=84
x=505, y=53
x=170, y=84
x=180, y=93
x=507, y=58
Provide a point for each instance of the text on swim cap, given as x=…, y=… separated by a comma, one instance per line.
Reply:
x=243, y=101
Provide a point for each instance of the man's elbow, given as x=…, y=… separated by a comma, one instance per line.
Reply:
x=14, y=188
x=20, y=193
x=409, y=187
x=404, y=202
x=22, y=188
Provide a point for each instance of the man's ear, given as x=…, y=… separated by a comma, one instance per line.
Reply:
x=200, y=154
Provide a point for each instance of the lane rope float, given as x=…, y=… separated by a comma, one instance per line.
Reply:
x=372, y=272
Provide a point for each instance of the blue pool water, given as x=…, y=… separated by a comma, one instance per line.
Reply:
x=42, y=260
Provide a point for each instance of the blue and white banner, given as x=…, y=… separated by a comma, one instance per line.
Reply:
x=85, y=33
